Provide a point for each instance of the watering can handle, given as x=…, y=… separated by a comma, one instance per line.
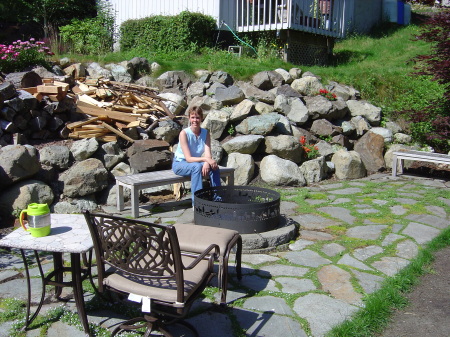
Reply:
x=21, y=219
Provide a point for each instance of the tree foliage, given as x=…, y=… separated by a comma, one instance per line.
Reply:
x=91, y=35
x=48, y=13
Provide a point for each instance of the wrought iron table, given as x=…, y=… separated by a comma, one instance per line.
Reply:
x=69, y=234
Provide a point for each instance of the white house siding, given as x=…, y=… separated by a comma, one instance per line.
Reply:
x=221, y=10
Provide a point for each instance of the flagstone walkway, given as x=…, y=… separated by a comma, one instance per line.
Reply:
x=353, y=235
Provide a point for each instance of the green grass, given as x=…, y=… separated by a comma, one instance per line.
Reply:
x=379, y=66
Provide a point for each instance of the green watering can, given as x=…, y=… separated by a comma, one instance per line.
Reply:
x=38, y=216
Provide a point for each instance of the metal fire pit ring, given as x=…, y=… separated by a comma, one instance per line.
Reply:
x=246, y=209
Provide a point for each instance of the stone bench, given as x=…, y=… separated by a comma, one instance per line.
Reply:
x=140, y=181
x=399, y=156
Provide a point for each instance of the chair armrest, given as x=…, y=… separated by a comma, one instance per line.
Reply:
x=207, y=252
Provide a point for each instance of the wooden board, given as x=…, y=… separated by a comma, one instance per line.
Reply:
x=92, y=110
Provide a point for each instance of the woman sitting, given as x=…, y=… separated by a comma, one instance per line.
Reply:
x=193, y=155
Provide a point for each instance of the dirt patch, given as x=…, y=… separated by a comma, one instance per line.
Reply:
x=428, y=311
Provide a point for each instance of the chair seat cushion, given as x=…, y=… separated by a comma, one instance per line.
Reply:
x=162, y=289
x=195, y=238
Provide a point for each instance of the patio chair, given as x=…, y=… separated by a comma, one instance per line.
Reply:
x=194, y=238
x=148, y=266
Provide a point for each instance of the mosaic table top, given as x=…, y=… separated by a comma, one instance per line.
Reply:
x=69, y=234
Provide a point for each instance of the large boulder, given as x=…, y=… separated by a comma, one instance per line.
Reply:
x=20, y=195
x=17, y=162
x=110, y=154
x=229, y=95
x=285, y=75
x=266, y=80
x=57, y=156
x=307, y=86
x=314, y=170
x=244, y=166
x=284, y=146
x=348, y=165
x=293, y=107
x=324, y=128
x=365, y=109
x=243, y=144
x=95, y=70
x=216, y=122
x=252, y=92
x=84, y=149
x=371, y=147
x=258, y=125
x=279, y=172
x=174, y=102
x=174, y=81
x=86, y=177
x=241, y=111
x=119, y=73
x=76, y=205
x=222, y=77
x=167, y=130
x=149, y=155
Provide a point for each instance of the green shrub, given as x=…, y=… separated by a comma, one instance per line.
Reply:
x=186, y=31
x=93, y=35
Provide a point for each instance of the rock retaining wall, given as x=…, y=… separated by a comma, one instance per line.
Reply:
x=284, y=126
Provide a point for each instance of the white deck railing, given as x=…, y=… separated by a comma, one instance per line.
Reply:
x=324, y=17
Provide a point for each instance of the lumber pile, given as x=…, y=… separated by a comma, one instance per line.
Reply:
x=117, y=107
x=108, y=110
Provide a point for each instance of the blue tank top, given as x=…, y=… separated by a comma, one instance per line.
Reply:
x=196, y=144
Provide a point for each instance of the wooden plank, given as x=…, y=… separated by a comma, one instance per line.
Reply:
x=49, y=89
x=117, y=132
x=31, y=90
x=63, y=85
x=107, y=138
x=81, y=123
x=123, y=108
x=76, y=90
x=96, y=111
x=90, y=135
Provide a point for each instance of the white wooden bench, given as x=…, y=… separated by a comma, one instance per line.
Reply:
x=399, y=156
x=140, y=181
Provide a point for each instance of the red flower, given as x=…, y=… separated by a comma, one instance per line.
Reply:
x=302, y=140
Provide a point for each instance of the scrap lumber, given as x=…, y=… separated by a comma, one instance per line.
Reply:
x=117, y=132
x=89, y=109
x=74, y=125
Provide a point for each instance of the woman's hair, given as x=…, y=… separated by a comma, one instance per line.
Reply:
x=196, y=110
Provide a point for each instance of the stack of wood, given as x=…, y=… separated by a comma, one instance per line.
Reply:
x=116, y=107
x=55, y=90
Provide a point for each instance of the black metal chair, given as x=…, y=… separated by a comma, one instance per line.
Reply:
x=146, y=261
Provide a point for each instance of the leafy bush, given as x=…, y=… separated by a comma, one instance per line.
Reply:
x=93, y=35
x=21, y=54
x=186, y=31
x=432, y=124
